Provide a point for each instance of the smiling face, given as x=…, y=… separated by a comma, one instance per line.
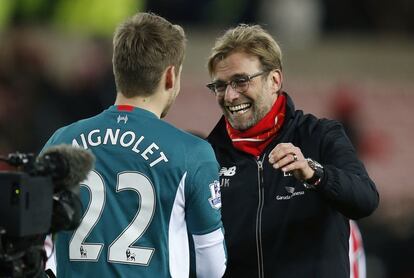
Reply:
x=244, y=110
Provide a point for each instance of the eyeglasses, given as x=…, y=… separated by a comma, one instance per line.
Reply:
x=239, y=83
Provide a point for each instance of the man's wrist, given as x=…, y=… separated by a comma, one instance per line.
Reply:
x=317, y=176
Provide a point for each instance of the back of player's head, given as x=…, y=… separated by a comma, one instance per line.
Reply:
x=143, y=47
x=251, y=39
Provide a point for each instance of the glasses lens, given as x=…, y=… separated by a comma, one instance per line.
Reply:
x=220, y=87
x=240, y=84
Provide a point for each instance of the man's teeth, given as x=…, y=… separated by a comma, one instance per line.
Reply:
x=238, y=108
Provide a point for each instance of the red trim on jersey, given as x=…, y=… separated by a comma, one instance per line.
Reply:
x=128, y=108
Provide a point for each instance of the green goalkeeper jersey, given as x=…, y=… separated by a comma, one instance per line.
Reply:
x=152, y=187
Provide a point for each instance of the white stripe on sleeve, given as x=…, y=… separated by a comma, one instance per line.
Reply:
x=210, y=254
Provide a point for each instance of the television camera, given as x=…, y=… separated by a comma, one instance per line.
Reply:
x=40, y=197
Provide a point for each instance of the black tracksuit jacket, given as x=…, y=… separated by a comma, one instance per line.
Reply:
x=274, y=226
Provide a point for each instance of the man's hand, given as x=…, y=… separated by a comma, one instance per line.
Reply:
x=289, y=159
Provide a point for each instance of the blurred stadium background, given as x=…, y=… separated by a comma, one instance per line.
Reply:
x=345, y=59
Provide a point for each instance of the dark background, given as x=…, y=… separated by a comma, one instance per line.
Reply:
x=345, y=59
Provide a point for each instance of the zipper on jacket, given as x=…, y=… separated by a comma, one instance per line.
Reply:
x=260, y=188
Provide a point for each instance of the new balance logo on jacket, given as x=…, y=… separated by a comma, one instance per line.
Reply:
x=227, y=172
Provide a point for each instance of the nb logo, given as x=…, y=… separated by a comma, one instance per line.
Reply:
x=120, y=118
x=227, y=172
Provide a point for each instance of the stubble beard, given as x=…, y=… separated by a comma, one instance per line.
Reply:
x=257, y=114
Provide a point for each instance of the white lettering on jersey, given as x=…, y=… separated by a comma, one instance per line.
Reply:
x=124, y=142
x=149, y=150
x=91, y=142
x=152, y=153
x=135, y=148
x=110, y=135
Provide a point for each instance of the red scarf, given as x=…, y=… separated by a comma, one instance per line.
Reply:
x=255, y=139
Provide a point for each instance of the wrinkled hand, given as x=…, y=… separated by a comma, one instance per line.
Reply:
x=289, y=159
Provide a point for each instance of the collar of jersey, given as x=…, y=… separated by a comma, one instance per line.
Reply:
x=131, y=109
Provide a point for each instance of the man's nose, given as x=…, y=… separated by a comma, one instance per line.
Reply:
x=231, y=94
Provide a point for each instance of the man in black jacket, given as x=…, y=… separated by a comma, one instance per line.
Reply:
x=290, y=181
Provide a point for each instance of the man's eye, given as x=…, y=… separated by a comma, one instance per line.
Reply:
x=241, y=80
x=220, y=86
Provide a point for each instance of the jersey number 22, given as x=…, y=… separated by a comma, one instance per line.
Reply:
x=120, y=250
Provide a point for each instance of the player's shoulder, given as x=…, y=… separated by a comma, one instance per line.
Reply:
x=66, y=133
x=199, y=148
x=190, y=140
x=193, y=139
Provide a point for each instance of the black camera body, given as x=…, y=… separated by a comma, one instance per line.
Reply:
x=41, y=197
x=26, y=204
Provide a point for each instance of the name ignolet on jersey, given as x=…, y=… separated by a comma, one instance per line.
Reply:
x=126, y=139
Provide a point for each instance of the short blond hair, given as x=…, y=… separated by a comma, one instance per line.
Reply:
x=143, y=47
x=251, y=39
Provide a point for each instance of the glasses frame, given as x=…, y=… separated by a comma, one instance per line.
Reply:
x=233, y=83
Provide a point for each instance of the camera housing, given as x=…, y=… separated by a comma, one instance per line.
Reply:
x=26, y=204
x=39, y=198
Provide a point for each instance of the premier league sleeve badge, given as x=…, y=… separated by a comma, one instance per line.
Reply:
x=215, y=200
